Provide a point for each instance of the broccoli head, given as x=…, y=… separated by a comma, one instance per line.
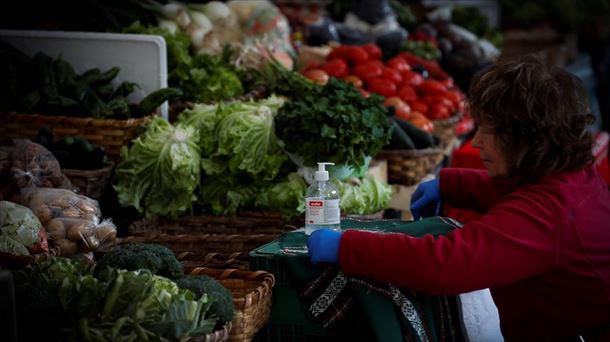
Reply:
x=134, y=256
x=222, y=299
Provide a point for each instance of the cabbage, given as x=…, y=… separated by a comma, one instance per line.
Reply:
x=287, y=197
x=18, y=228
x=160, y=172
x=363, y=196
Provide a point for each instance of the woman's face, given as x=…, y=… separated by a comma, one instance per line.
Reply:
x=490, y=152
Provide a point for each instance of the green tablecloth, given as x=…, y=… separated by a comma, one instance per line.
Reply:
x=393, y=314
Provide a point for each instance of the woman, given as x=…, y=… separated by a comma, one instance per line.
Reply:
x=542, y=244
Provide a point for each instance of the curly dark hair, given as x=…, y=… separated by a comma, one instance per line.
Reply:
x=538, y=113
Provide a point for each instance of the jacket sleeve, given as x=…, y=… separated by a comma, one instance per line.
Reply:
x=516, y=239
x=473, y=189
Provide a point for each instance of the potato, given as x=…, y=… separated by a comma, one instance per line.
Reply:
x=67, y=248
x=56, y=229
x=105, y=233
x=77, y=231
x=90, y=242
x=43, y=212
x=72, y=212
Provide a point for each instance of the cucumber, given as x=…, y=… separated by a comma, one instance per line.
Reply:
x=400, y=140
x=420, y=138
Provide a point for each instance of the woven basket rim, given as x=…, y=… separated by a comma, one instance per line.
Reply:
x=95, y=172
x=266, y=279
x=449, y=121
x=214, y=336
x=83, y=120
x=420, y=152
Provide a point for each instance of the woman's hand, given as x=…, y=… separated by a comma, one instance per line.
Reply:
x=323, y=246
x=426, y=199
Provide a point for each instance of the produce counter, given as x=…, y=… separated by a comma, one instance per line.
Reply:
x=320, y=302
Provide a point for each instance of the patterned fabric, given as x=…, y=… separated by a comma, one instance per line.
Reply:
x=410, y=312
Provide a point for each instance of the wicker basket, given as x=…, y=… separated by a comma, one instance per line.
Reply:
x=408, y=167
x=91, y=183
x=445, y=129
x=252, y=297
x=217, y=240
x=215, y=336
x=108, y=133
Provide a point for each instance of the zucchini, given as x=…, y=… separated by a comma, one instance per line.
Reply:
x=399, y=139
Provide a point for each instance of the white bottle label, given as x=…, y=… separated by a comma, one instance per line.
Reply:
x=322, y=211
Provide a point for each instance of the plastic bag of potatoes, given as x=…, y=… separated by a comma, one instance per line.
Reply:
x=71, y=221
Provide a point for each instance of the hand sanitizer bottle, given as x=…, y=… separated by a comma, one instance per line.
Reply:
x=322, y=203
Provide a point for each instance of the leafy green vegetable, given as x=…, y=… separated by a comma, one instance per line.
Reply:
x=203, y=78
x=159, y=173
x=363, y=196
x=222, y=306
x=227, y=194
x=334, y=123
x=19, y=224
x=286, y=197
x=158, y=259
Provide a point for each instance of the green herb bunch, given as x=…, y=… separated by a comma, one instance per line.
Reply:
x=334, y=123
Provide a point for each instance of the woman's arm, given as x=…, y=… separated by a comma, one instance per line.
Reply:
x=516, y=239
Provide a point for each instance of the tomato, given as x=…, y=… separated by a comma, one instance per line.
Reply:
x=381, y=86
x=336, y=67
x=317, y=75
x=367, y=71
x=398, y=63
x=373, y=50
x=392, y=74
x=419, y=106
x=355, y=80
x=356, y=54
x=412, y=78
x=455, y=96
x=433, y=87
x=438, y=111
x=375, y=62
x=427, y=99
x=445, y=101
x=401, y=108
x=338, y=52
x=407, y=93
x=420, y=121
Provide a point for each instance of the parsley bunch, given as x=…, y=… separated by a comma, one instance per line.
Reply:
x=334, y=123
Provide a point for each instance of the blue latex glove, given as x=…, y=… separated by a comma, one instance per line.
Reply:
x=323, y=246
x=426, y=199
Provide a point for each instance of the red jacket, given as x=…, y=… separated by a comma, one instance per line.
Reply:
x=543, y=249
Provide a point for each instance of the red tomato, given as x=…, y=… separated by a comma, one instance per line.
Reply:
x=445, y=101
x=375, y=62
x=317, y=75
x=336, y=67
x=398, y=63
x=448, y=82
x=455, y=96
x=381, y=86
x=407, y=93
x=433, y=87
x=419, y=106
x=364, y=92
x=427, y=99
x=356, y=54
x=367, y=71
x=353, y=80
x=420, y=121
x=438, y=111
x=373, y=50
x=412, y=78
x=401, y=108
x=338, y=52
x=392, y=74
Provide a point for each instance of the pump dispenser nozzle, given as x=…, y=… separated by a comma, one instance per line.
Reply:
x=322, y=174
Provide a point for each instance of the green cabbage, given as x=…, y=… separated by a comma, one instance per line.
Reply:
x=160, y=172
x=286, y=197
x=363, y=196
x=18, y=228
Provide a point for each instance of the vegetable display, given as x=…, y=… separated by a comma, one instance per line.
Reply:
x=334, y=123
x=114, y=305
x=363, y=196
x=160, y=172
x=19, y=229
x=44, y=85
x=135, y=256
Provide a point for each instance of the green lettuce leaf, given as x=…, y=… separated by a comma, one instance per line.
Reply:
x=286, y=197
x=363, y=196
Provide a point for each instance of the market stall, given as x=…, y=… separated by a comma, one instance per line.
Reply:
x=157, y=162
